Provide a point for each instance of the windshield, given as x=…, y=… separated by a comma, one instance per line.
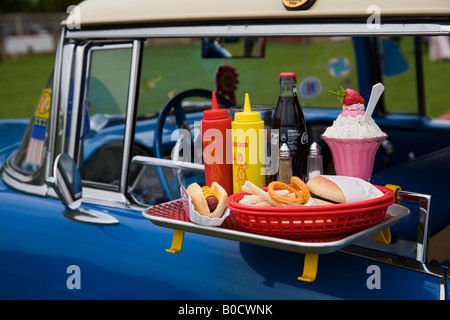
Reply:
x=172, y=65
x=321, y=63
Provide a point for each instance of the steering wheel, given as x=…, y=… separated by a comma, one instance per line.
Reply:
x=176, y=103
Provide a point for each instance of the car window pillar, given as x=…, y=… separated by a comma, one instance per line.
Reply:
x=74, y=111
x=52, y=141
x=131, y=114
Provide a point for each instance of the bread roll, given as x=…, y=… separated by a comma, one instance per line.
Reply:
x=326, y=189
x=322, y=202
x=198, y=200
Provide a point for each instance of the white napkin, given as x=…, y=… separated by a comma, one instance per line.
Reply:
x=355, y=189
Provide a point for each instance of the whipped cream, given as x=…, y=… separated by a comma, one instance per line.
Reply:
x=349, y=127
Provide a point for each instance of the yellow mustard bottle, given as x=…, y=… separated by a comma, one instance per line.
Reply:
x=248, y=136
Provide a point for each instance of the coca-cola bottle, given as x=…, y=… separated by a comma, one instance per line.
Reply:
x=288, y=118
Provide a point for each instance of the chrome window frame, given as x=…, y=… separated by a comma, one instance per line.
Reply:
x=82, y=56
x=265, y=30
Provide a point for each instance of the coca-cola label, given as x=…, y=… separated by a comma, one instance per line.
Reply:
x=292, y=137
x=304, y=139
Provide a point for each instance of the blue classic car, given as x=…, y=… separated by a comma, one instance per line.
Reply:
x=101, y=152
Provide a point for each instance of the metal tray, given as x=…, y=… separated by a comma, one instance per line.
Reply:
x=171, y=215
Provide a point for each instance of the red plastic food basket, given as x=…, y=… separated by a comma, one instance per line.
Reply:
x=302, y=222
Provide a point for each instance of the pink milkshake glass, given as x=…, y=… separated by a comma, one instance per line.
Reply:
x=354, y=157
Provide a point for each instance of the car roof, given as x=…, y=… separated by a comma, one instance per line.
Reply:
x=114, y=12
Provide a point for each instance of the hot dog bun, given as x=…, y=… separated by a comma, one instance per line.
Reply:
x=199, y=202
x=223, y=198
x=321, y=187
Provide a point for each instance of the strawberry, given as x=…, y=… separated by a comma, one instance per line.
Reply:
x=348, y=96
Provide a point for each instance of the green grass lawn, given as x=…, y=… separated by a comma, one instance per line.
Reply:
x=21, y=83
x=22, y=79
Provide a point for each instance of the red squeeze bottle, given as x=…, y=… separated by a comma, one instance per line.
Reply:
x=216, y=151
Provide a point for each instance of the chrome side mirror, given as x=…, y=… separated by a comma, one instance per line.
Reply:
x=67, y=183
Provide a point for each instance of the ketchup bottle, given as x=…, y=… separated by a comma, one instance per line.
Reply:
x=216, y=125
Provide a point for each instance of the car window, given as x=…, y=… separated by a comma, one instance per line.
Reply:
x=402, y=79
x=103, y=126
x=170, y=66
x=173, y=65
x=436, y=67
x=321, y=63
x=399, y=74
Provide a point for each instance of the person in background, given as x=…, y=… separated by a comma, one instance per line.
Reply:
x=439, y=48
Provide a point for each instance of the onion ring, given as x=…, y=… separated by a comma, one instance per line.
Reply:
x=282, y=199
x=296, y=182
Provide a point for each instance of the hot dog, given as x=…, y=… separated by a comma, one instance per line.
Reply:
x=209, y=202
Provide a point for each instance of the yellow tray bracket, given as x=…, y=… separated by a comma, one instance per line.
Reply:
x=396, y=190
x=177, y=241
x=310, y=267
x=384, y=236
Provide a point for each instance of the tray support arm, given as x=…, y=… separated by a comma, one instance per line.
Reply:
x=177, y=241
x=310, y=267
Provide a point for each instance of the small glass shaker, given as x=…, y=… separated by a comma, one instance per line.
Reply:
x=315, y=161
x=285, y=170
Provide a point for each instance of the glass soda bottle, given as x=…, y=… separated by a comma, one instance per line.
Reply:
x=288, y=118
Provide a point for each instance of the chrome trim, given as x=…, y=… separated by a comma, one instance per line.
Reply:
x=77, y=100
x=307, y=247
x=130, y=114
x=392, y=259
x=55, y=106
x=71, y=197
x=16, y=180
x=423, y=228
x=12, y=179
x=443, y=288
x=151, y=161
x=419, y=263
x=67, y=68
x=104, y=197
x=133, y=91
x=270, y=30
